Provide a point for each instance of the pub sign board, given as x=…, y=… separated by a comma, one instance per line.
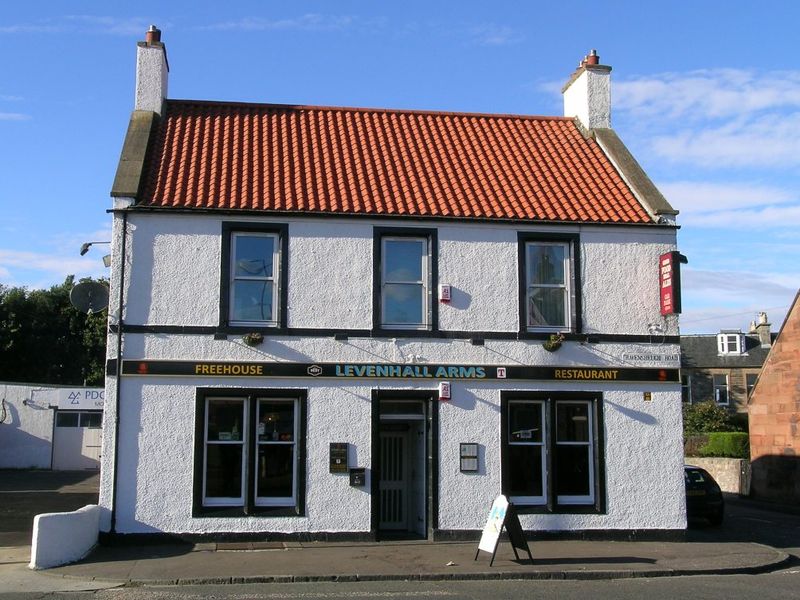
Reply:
x=356, y=371
x=669, y=280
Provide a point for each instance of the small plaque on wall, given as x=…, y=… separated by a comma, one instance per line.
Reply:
x=468, y=455
x=358, y=477
x=338, y=458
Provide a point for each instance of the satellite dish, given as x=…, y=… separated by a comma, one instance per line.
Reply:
x=89, y=297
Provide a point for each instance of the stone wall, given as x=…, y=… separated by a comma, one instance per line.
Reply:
x=732, y=474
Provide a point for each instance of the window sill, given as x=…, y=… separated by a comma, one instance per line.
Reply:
x=565, y=509
x=231, y=512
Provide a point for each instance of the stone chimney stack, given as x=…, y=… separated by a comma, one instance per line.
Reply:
x=152, y=71
x=763, y=330
x=587, y=94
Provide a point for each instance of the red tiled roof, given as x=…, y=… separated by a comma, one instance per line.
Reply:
x=382, y=162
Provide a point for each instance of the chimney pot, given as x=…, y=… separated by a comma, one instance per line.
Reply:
x=592, y=58
x=152, y=35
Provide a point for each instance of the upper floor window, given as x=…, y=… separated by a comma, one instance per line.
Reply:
x=254, y=262
x=405, y=279
x=729, y=343
x=549, y=297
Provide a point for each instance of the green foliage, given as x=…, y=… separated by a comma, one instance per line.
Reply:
x=44, y=339
x=731, y=444
x=705, y=417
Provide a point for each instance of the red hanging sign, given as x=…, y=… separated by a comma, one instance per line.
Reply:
x=669, y=279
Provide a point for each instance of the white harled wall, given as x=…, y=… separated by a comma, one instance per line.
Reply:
x=173, y=279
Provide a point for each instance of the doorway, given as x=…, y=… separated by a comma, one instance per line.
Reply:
x=402, y=463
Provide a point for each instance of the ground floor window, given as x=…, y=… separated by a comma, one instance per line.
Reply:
x=721, y=392
x=249, y=456
x=551, y=451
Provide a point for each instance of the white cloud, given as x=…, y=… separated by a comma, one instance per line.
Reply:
x=703, y=196
x=81, y=23
x=10, y=98
x=36, y=261
x=7, y=116
x=307, y=22
x=738, y=283
x=495, y=35
x=768, y=141
x=708, y=94
x=731, y=299
x=717, y=119
x=711, y=319
x=761, y=218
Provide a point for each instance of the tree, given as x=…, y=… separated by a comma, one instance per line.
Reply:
x=705, y=417
x=44, y=339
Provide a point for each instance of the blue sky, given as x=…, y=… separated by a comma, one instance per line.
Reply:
x=705, y=94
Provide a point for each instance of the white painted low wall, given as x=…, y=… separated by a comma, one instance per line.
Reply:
x=61, y=538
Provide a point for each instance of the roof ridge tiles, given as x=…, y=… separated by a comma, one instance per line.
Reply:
x=404, y=111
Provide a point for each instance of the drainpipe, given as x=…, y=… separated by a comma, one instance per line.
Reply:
x=119, y=374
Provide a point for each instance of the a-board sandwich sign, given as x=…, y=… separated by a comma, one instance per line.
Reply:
x=502, y=516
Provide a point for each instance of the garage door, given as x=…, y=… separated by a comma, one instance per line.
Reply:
x=76, y=440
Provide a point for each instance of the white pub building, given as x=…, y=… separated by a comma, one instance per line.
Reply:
x=354, y=323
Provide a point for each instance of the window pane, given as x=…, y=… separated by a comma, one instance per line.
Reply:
x=275, y=421
x=252, y=301
x=275, y=470
x=572, y=422
x=525, y=470
x=225, y=419
x=403, y=303
x=399, y=407
x=572, y=470
x=403, y=260
x=545, y=264
x=253, y=255
x=224, y=471
x=65, y=419
x=525, y=422
x=546, y=307
x=93, y=420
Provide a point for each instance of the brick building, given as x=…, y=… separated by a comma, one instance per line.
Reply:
x=775, y=416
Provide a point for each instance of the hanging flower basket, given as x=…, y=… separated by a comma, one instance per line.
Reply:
x=553, y=343
x=253, y=339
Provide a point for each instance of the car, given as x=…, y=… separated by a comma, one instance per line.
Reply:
x=703, y=496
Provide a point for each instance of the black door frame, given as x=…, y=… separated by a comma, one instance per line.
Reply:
x=431, y=400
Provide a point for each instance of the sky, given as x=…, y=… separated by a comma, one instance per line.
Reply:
x=706, y=95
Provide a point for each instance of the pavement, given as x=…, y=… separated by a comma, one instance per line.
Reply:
x=287, y=562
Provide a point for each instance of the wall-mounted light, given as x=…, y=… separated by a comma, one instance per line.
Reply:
x=86, y=245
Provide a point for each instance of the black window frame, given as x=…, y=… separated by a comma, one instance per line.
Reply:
x=249, y=508
x=379, y=233
x=551, y=400
x=574, y=288
x=229, y=228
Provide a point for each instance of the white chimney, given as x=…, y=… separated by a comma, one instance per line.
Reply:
x=587, y=94
x=152, y=72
